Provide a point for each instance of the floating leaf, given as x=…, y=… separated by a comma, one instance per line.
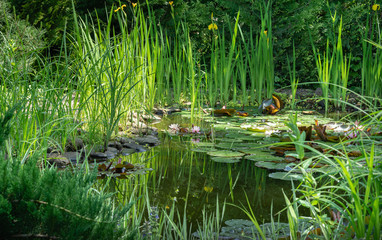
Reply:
x=272, y=165
x=286, y=176
x=239, y=223
x=308, y=132
x=204, y=144
x=225, y=153
x=242, y=114
x=320, y=130
x=204, y=149
x=264, y=158
x=224, y=112
x=226, y=159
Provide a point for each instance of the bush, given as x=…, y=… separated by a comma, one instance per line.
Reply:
x=20, y=43
x=60, y=204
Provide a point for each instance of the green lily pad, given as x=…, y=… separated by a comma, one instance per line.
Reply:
x=239, y=223
x=272, y=165
x=255, y=151
x=226, y=159
x=236, y=135
x=204, y=144
x=225, y=153
x=229, y=140
x=264, y=157
x=204, y=149
x=286, y=176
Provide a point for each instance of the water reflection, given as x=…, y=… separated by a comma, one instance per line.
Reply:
x=191, y=182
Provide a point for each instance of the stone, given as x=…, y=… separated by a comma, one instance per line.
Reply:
x=137, y=147
x=318, y=92
x=125, y=140
x=58, y=160
x=111, y=154
x=98, y=155
x=77, y=145
x=73, y=156
x=127, y=151
x=148, y=140
x=150, y=117
x=115, y=144
x=113, y=150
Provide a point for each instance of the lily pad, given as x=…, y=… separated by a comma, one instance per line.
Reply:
x=239, y=223
x=204, y=149
x=286, y=176
x=225, y=153
x=226, y=159
x=229, y=140
x=272, y=165
x=204, y=144
x=264, y=157
x=255, y=151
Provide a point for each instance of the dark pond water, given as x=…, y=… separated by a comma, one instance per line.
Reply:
x=192, y=182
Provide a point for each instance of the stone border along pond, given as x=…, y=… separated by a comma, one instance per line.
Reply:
x=140, y=139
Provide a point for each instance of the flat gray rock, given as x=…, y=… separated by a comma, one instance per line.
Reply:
x=137, y=147
x=127, y=151
x=98, y=155
x=72, y=156
x=58, y=159
x=111, y=154
x=115, y=144
x=148, y=140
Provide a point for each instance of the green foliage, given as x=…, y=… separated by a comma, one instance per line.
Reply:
x=20, y=43
x=50, y=15
x=61, y=204
x=5, y=127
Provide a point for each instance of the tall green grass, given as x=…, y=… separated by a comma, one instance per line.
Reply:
x=333, y=70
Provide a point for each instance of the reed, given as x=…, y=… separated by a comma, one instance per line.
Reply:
x=372, y=58
x=292, y=77
x=333, y=71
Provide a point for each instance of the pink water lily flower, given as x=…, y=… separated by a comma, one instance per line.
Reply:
x=351, y=134
x=195, y=129
x=355, y=131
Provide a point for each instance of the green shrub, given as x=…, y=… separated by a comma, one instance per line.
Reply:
x=20, y=43
x=61, y=204
x=49, y=15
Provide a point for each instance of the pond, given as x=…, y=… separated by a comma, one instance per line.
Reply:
x=198, y=172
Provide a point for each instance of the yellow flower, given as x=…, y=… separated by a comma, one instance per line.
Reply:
x=266, y=32
x=212, y=26
x=208, y=189
x=116, y=10
x=171, y=3
x=134, y=4
x=376, y=7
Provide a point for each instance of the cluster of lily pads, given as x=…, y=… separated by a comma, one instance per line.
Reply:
x=120, y=169
x=266, y=140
